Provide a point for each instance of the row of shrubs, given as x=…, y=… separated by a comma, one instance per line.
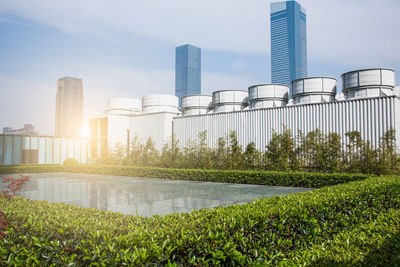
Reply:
x=286, y=151
x=376, y=243
x=273, y=178
x=268, y=231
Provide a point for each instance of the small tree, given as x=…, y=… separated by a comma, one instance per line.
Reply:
x=190, y=155
x=251, y=156
x=170, y=154
x=134, y=157
x=235, y=158
x=118, y=154
x=389, y=160
x=204, y=160
x=314, y=150
x=334, y=153
x=360, y=156
x=150, y=153
x=220, y=154
x=281, y=152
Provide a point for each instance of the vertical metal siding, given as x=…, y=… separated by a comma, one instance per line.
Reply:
x=372, y=117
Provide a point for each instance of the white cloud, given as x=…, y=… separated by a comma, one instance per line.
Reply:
x=355, y=31
x=223, y=24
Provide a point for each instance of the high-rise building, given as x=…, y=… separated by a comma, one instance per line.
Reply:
x=288, y=42
x=187, y=71
x=69, y=107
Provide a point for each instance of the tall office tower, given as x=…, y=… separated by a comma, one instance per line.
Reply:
x=69, y=107
x=288, y=42
x=187, y=71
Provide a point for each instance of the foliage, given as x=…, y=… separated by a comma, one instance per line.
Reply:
x=220, y=157
x=251, y=156
x=204, y=153
x=375, y=243
x=273, y=178
x=12, y=186
x=281, y=153
x=235, y=159
x=268, y=231
x=70, y=161
x=389, y=160
x=170, y=153
x=316, y=151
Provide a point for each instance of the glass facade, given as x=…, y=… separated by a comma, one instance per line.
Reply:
x=70, y=148
x=49, y=150
x=187, y=71
x=25, y=150
x=1, y=149
x=34, y=150
x=56, y=151
x=63, y=149
x=17, y=149
x=77, y=149
x=288, y=42
x=84, y=151
x=8, y=144
x=42, y=150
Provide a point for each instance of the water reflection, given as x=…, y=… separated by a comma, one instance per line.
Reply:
x=142, y=196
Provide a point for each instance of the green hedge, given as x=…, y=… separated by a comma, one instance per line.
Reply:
x=266, y=231
x=274, y=178
x=373, y=244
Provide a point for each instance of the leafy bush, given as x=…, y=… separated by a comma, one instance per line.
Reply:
x=266, y=231
x=376, y=243
x=274, y=178
x=10, y=187
x=70, y=161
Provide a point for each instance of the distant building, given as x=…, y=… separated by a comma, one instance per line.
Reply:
x=69, y=107
x=288, y=42
x=28, y=129
x=187, y=71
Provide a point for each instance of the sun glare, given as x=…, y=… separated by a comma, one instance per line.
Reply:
x=85, y=132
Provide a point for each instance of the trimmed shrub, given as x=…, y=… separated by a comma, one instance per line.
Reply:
x=273, y=178
x=70, y=161
x=265, y=231
x=376, y=243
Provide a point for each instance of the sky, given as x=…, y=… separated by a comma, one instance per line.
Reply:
x=126, y=48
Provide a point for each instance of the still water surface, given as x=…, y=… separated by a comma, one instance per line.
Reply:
x=142, y=196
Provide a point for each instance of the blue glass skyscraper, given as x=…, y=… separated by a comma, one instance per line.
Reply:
x=187, y=71
x=288, y=42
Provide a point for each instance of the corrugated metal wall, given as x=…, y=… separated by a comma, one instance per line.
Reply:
x=158, y=126
x=371, y=117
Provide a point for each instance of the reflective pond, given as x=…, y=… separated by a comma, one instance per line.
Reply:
x=142, y=196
